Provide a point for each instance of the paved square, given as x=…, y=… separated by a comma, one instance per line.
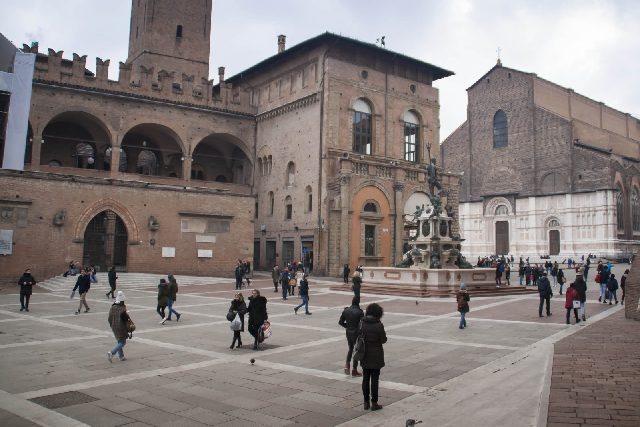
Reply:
x=54, y=369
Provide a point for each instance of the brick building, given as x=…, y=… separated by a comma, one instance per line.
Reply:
x=313, y=154
x=545, y=170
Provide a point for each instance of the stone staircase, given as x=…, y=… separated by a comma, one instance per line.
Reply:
x=412, y=291
x=128, y=281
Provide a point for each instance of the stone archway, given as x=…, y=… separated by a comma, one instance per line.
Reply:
x=105, y=242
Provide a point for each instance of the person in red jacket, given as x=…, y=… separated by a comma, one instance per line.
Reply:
x=571, y=295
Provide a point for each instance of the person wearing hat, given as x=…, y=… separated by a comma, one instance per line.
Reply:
x=463, y=304
x=118, y=318
x=544, y=289
x=173, y=291
x=304, y=294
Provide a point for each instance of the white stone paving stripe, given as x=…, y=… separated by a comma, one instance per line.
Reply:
x=456, y=343
x=119, y=379
x=51, y=341
x=36, y=413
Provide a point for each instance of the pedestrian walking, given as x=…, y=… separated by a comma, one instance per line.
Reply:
x=238, y=307
x=612, y=288
x=118, y=320
x=374, y=337
x=257, y=316
x=623, y=281
x=246, y=269
x=284, y=283
x=462, y=298
x=499, y=270
x=92, y=274
x=560, y=279
x=173, y=296
x=83, y=284
x=275, y=276
x=605, y=273
x=521, y=271
x=239, y=274
x=356, y=283
x=345, y=273
x=554, y=273
x=586, y=268
x=581, y=289
x=350, y=320
x=163, y=300
x=26, y=283
x=112, y=277
x=507, y=274
x=303, y=291
x=570, y=297
x=544, y=289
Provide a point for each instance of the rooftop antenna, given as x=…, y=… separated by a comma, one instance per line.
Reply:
x=498, y=50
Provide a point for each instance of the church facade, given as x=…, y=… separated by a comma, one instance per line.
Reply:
x=546, y=171
x=313, y=154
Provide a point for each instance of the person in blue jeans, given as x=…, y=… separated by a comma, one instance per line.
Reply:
x=284, y=283
x=118, y=318
x=173, y=291
x=463, y=304
x=303, y=291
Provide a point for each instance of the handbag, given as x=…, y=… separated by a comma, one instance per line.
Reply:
x=576, y=303
x=292, y=282
x=236, y=323
x=266, y=330
x=360, y=346
x=231, y=315
x=130, y=327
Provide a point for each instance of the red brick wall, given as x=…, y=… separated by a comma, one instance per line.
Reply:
x=632, y=291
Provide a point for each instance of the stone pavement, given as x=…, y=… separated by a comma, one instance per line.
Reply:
x=54, y=370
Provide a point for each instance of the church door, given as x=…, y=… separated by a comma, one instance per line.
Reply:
x=502, y=237
x=105, y=242
x=554, y=242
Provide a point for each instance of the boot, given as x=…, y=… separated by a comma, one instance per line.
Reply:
x=375, y=406
x=355, y=373
x=366, y=405
x=347, y=369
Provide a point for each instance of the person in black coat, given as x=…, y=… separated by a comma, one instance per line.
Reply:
x=374, y=336
x=112, y=281
x=238, y=306
x=345, y=273
x=350, y=320
x=257, y=315
x=26, y=283
x=581, y=288
x=544, y=289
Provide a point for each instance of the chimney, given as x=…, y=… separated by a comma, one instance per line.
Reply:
x=281, y=40
x=221, y=74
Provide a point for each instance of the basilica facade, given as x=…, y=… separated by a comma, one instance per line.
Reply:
x=546, y=171
x=313, y=154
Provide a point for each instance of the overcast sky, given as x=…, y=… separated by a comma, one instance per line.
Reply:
x=591, y=46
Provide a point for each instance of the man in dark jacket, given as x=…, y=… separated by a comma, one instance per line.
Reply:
x=83, y=283
x=304, y=294
x=173, y=296
x=357, y=283
x=26, y=283
x=284, y=283
x=612, y=287
x=581, y=287
x=257, y=315
x=239, y=274
x=112, y=281
x=544, y=289
x=350, y=320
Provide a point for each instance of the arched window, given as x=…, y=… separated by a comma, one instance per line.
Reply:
x=291, y=173
x=309, y=198
x=147, y=163
x=288, y=208
x=361, y=127
x=370, y=207
x=635, y=209
x=502, y=210
x=85, y=156
x=500, y=130
x=411, y=137
x=619, y=209
x=554, y=223
x=261, y=166
x=271, y=201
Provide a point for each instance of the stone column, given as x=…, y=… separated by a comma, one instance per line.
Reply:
x=398, y=189
x=36, y=149
x=186, y=168
x=345, y=217
x=115, y=161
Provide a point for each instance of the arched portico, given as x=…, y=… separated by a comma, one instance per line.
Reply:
x=152, y=149
x=221, y=157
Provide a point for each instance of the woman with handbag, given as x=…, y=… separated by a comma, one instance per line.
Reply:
x=374, y=336
x=118, y=320
x=572, y=298
x=238, y=308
